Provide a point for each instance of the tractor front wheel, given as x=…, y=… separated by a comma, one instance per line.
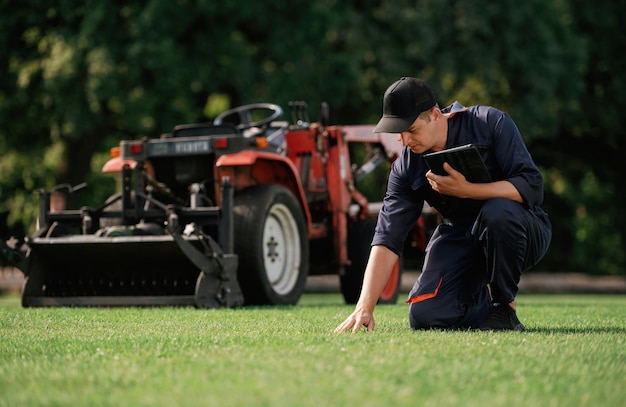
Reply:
x=272, y=246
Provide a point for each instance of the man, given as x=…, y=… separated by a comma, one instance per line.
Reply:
x=491, y=232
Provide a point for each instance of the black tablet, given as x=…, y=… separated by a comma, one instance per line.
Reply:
x=465, y=159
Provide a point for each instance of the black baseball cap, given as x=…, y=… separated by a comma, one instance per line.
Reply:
x=404, y=100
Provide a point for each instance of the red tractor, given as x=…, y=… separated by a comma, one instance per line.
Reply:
x=238, y=211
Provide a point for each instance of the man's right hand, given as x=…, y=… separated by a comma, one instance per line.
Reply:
x=377, y=272
x=357, y=320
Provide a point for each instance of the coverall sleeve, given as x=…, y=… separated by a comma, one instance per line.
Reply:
x=515, y=161
x=401, y=208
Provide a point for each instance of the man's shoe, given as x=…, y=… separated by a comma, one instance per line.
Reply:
x=501, y=318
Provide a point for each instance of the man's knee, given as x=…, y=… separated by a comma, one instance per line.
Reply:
x=500, y=210
x=419, y=317
x=499, y=215
x=466, y=312
x=428, y=315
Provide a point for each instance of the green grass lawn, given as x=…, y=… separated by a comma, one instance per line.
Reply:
x=572, y=354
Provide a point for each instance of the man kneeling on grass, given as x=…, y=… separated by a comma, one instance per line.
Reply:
x=491, y=232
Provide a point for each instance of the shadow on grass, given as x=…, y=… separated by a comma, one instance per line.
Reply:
x=560, y=305
x=578, y=330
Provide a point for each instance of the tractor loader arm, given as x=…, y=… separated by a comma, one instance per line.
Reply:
x=217, y=285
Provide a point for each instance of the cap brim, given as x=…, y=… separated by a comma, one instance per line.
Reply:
x=394, y=124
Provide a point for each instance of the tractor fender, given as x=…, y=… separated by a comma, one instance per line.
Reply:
x=249, y=167
x=116, y=164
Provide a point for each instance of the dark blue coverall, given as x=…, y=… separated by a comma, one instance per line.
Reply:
x=478, y=242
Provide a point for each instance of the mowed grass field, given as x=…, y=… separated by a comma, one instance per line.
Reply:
x=572, y=354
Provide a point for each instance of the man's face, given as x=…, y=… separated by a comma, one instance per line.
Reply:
x=421, y=136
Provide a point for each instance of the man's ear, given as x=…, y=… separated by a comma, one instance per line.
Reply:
x=436, y=113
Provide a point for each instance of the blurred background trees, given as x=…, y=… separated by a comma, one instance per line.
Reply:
x=79, y=76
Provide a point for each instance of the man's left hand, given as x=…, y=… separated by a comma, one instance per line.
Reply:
x=453, y=184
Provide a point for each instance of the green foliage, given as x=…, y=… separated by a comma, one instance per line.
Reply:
x=571, y=355
x=595, y=245
x=78, y=77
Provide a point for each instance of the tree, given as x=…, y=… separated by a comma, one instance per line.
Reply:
x=80, y=77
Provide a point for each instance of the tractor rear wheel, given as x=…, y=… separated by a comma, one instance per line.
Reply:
x=360, y=236
x=272, y=246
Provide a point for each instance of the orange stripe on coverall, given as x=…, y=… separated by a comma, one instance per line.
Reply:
x=427, y=296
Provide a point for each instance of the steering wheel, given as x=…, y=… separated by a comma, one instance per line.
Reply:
x=245, y=115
